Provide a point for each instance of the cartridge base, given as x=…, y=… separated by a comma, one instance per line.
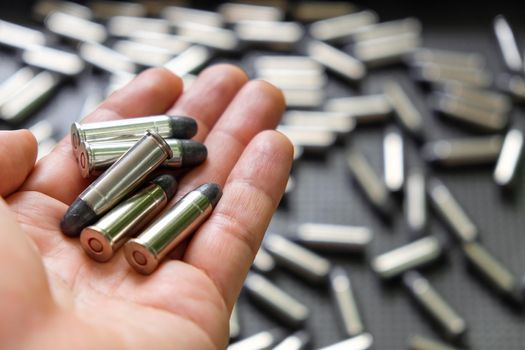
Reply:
x=96, y=244
x=140, y=257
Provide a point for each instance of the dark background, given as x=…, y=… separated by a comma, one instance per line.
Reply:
x=325, y=193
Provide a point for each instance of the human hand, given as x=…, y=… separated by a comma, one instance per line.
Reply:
x=53, y=296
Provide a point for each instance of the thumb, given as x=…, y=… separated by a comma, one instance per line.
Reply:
x=18, y=151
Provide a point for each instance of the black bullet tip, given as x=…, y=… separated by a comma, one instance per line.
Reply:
x=212, y=191
x=167, y=183
x=78, y=216
x=182, y=127
x=193, y=153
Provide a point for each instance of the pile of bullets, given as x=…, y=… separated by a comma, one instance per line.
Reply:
x=122, y=206
x=305, y=43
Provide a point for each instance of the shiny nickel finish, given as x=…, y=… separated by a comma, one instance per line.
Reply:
x=106, y=59
x=341, y=27
x=275, y=301
x=507, y=44
x=481, y=98
x=54, y=60
x=12, y=85
x=263, y=262
x=372, y=186
x=297, y=341
x=301, y=261
x=364, y=109
x=393, y=160
x=510, y=157
x=410, y=256
x=132, y=129
x=360, y=342
x=345, y=302
x=145, y=252
x=417, y=342
x=278, y=35
x=121, y=179
x=463, y=152
x=386, y=50
x=513, y=85
x=415, y=202
x=101, y=240
x=233, y=12
x=334, y=238
x=94, y=158
x=19, y=37
x=261, y=341
x=75, y=28
x=448, y=320
x=405, y=110
x=493, y=271
x=189, y=60
x=336, y=60
x=341, y=123
x=446, y=58
x=451, y=212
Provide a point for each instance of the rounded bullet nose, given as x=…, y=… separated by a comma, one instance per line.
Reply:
x=140, y=257
x=77, y=216
x=95, y=244
x=193, y=153
x=212, y=191
x=168, y=184
x=182, y=127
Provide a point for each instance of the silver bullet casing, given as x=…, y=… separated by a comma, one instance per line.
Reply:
x=345, y=302
x=116, y=183
x=453, y=325
x=145, y=252
x=101, y=240
x=132, y=129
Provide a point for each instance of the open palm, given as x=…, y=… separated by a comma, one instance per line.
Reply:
x=53, y=296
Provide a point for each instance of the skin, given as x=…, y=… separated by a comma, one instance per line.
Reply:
x=56, y=297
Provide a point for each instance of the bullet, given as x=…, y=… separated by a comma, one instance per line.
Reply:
x=143, y=54
x=289, y=63
x=106, y=59
x=58, y=61
x=307, y=11
x=509, y=159
x=42, y=8
x=19, y=37
x=346, y=305
x=484, y=99
x=176, y=15
x=235, y=325
x=263, y=262
x=342, y=27
x=303, y=98
x=106, y=9
x=386, y=50
x=122, y=26
x=361, y=342
x=371, y=185
x=441, y=74
x=275, y=301
x=340, y=123
x=308, y=138
x=29, y=97
x=121, y=179
x=468, y=115
x=15, y=83
x=189, y=60
x=233, y=12
x=415, y=204
x=493, y=271
x=390, y=29
x=145, y=252
x=417, y=342
x=364, y=109
x=132, y=129
x=210, y=36
x=463, y=152
x=260, y=341
x=84, y=30
x=507, y=44
x=171, y=43
x=299, y=340
x=306, y=264
x=393, y=160
x=277, y=35
x=451, y=212
x=513, y=85
x=101, y=240
x=407, y=257
x=336, y=60
x=447, y=58
x=334, y=238
x=94, y=158
x=295, y=79
x=405, y=110
x=445, y=317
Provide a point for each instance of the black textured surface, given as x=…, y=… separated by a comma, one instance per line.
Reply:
x=324, y=193
x=183, y=127
x=77, y=216
x=168, y=184
x=212, y=191
x=193, y=153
